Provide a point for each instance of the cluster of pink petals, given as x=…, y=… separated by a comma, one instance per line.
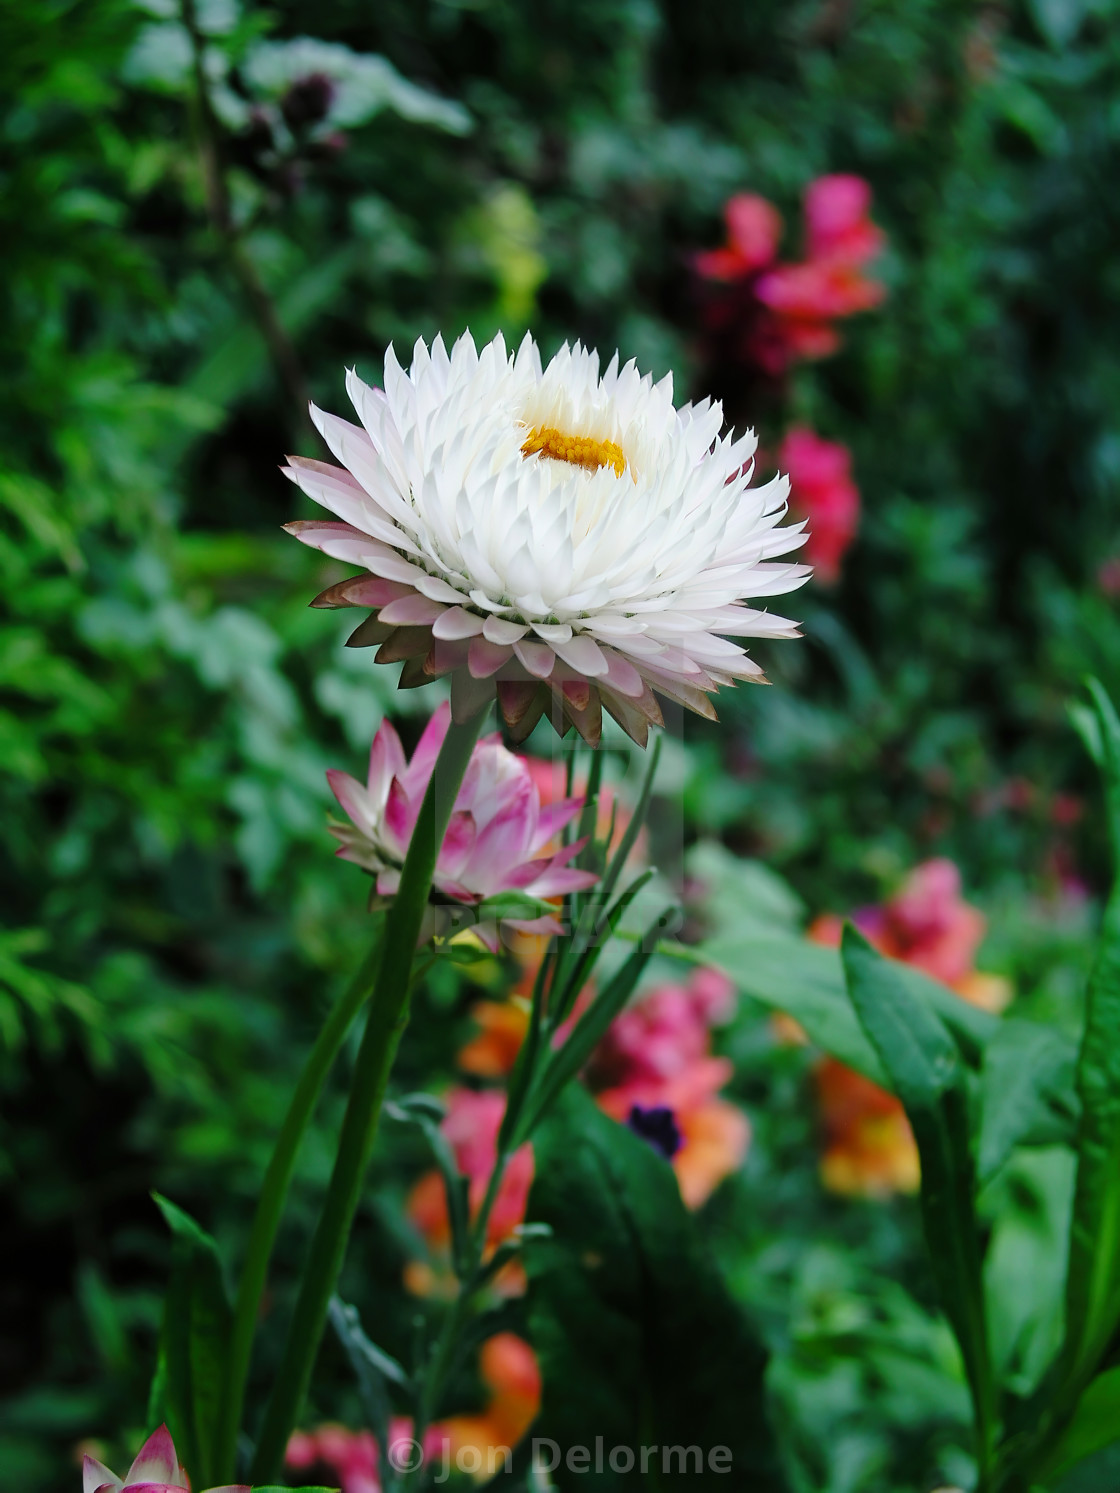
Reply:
x=657, y=1054
x=500, y=838
x=155, y=1470
x=822, y=491
x=471, y=1125
x=352, y=1456
x=927, y=923
x=783, y=313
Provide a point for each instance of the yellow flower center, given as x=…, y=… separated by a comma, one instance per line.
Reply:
x=580, y=450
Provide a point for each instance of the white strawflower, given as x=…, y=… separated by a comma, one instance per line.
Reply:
x=570, y=539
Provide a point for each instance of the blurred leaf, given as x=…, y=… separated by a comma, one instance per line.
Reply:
x=1093, y=1283
x=193, y=1341
x=927, y=1075
x=1025, y=1264
x=638, y=1338
x=1027, y=1093
x=1095, y=1425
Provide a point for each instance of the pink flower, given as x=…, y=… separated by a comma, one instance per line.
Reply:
x=837, y=225
x=155, y=1470
x=770, y=314
x=471, y=1125
x=754, y=228
x=352, y=1456
x=657, y=1054
x=823, y=491
x=497, y=839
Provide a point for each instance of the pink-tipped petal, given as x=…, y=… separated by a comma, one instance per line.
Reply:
x=400, y=815
x=561, y=880
x=156, y=1462
x=95, y=1475
x=538, y=658
x=419, y=770
x=386, y=761
x=455, y=622
x=457, y=843
x=486, y=658
x=352, y=797
x=412, y=611
x=549, y=924
x=498, y=630
x=502, y=842
x=553, y=817
x=582, y=654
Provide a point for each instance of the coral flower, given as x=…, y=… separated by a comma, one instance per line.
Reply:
x=869, y=1148
x=563, y=537
x=471, y=1125
x=821, y=488
x=657, y=1055
x=155, y=1470
x=508, y=1367
x=497, y=839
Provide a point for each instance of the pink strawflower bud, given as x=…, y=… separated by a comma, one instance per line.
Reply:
x=499, y=839
x=155, y=1470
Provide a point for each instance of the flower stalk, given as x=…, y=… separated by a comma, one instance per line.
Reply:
x=274, y=1192
x=387, y=1019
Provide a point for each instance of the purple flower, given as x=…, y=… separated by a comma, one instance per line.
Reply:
x=657, y=1124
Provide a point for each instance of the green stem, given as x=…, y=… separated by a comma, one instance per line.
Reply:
x=270, y=1204
x=388, y=1016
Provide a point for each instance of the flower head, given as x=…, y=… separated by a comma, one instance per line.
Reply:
x=156, y=1469
x=471, y=1126
x=656, y=1058
x=820, y=474
x=564, y=537
x=497, y=839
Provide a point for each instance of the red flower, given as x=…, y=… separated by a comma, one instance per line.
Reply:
x=821, y=488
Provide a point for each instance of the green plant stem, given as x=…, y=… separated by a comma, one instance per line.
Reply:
x=274, y=1191
x=443, y=1357
x=387, y=1018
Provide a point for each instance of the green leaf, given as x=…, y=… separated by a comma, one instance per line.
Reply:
x=513, y=905
x=929, y=1078
x=424, y=1112
x=1025, y=1264
x=589, y=1030
x=806, y=980
x=1027, y=1094
x=1093, y=1281
x=639, y=1338
x=193, y=1342
x=1095, y=1424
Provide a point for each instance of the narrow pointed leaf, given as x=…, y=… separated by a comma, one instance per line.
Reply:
x=928, y=1076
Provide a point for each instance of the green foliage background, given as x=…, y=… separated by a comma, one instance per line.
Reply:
x=171, y=923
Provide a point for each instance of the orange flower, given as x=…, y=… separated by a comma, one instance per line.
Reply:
x=471, y=1126
x=869, y=1146
x=493, y=1052
x=715, y=1134
x=509, y=1369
